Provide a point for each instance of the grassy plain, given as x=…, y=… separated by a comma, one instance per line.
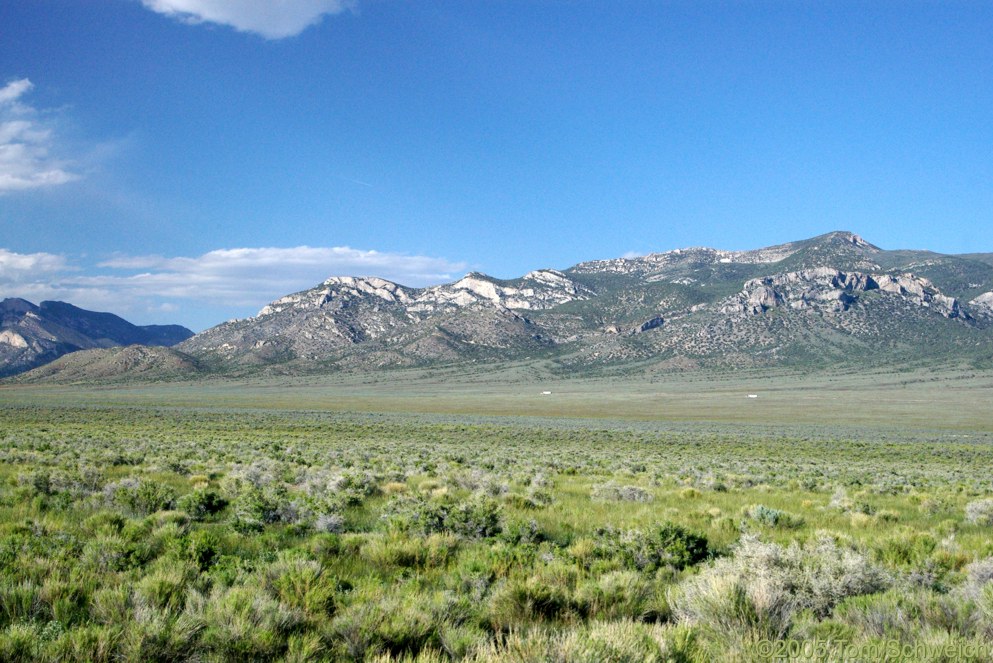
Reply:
x=447, y=515
x=911, y=399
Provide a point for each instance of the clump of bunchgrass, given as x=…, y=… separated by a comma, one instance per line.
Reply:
x=246, y=623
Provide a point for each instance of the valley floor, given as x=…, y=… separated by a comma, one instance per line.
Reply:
x=438, y=516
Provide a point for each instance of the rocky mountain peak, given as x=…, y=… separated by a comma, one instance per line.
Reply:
x=16, y=305
x=847, y=237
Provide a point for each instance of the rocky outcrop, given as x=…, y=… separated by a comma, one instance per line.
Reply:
x=538, y=290
x=649, y=325
x=825, y=287
x=340, y=289
x=983, y=304
x=13, y=339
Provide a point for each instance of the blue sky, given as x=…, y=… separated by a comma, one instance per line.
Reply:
x=189, y=160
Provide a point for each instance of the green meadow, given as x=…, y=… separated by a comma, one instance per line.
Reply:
x=437, y=515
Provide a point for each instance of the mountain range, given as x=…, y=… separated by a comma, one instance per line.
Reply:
x=32, y=336
x=830, y=300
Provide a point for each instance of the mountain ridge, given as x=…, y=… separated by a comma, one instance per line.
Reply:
x=828, y=300
x=578, y=315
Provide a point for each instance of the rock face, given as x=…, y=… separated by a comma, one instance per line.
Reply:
x=34, y=335
x=835, y=290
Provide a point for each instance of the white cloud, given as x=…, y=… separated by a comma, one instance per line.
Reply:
x=26, y=267
x=273, y=19
x=26, y=144
x=226, y=278
x=240, y=276
x=13, y=90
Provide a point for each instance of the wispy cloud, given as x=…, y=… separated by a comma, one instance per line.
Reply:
x=27, y=267
x=244, y=276
x=273, y=19
x=225, y=278
x=26, y=144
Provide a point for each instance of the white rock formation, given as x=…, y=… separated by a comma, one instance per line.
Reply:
x=983, y=304
x=810, y=287
x=13, y=339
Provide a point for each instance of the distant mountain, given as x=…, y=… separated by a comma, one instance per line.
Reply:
x=833, y=300
x=32, y=335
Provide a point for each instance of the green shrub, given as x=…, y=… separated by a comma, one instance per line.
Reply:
x=67, y=601
x=905, y=548
x=459, y=641
x=522, y=532
x=104, y=522
x=666, y=545
x=597, y=642
x=889, y=615
x=352, y=488
x=90, y=643
x=140, y=496
x=164, y=587
x=21, y=643
x=202, y=548
x=432, y=551
x=201, y=503
x=623, y=641
x=112, y=605
x=159, y=635
x=254, y=508
x=305, y=648
x=376, y=622
x=21, y=602
x=518, y=603
x=476, y=518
